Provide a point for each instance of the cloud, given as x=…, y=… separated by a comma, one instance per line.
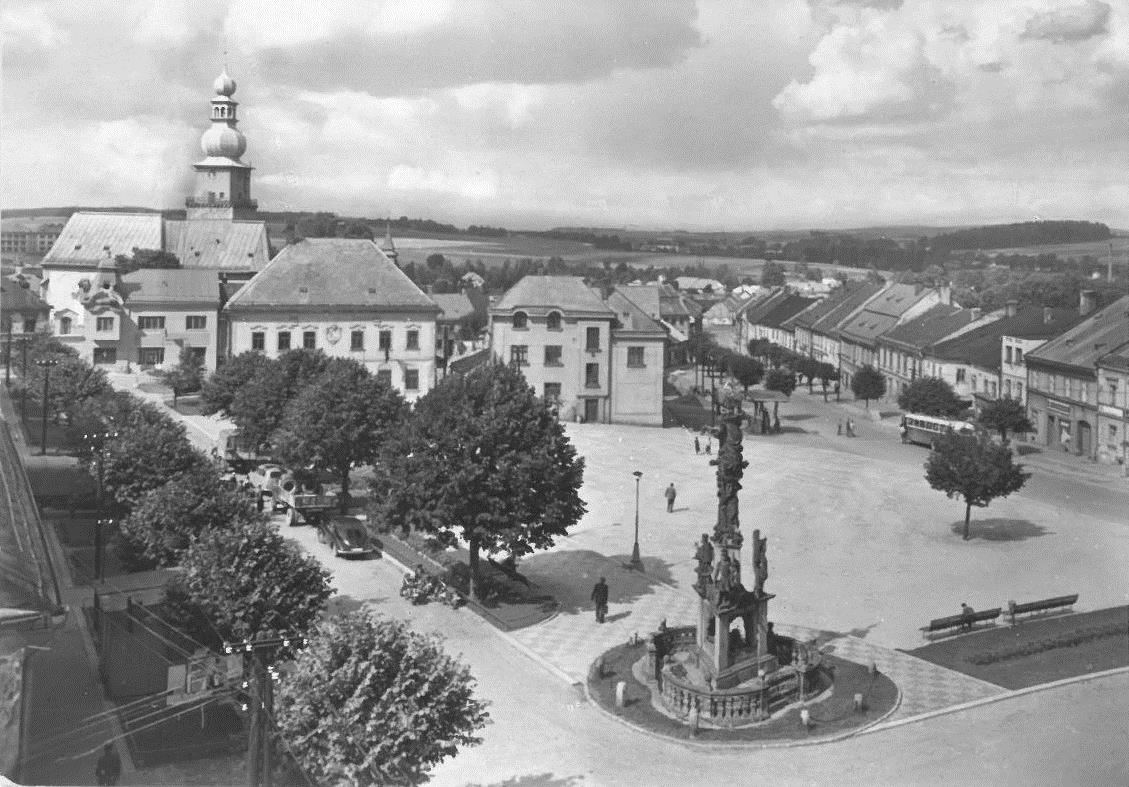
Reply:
x=1077, y=23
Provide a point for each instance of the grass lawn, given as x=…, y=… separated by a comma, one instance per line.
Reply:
x=186, y=405
x=1038, y=650
x=832, y=716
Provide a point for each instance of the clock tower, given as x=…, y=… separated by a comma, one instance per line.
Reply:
x=223, y=181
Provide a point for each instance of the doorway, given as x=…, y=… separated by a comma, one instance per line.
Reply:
x=591, y=411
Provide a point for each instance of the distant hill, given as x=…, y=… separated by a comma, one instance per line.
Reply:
x=1028, y=233
x=23, y=213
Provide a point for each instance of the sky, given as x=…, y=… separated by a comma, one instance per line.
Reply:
x=728, y=115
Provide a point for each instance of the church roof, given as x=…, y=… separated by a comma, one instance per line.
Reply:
x=331, y=273
x=219, y=244
x=86, y=236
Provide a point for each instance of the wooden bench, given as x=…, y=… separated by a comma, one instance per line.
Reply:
x=956, y=621
x=1057, y=602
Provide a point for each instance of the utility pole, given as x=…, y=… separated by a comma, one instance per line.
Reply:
x=45, y=364
x=8, y=357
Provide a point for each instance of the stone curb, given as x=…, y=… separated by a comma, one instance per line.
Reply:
x=1006, y=695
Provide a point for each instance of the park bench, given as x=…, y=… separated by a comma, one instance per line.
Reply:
x=956, y=621
x=509, y=570
x=1046, y=604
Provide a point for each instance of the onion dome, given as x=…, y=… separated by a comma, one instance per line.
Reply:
x=223, y=141
x=224, y=85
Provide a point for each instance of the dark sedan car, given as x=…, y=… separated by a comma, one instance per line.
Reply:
x=348, y=537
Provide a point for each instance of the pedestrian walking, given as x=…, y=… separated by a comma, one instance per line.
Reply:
x=600, y=598
x=709, y=446
x=839, y=429
x=697, y=445
x=670, y=493
x=109, y=767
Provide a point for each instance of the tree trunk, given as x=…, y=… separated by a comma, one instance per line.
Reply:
x=967, y=517
x=867, y=401
x=344, y=490
x=472, y=589
x=1003, y=434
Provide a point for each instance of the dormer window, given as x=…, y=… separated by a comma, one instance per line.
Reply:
x=553, y=321
x=521, y=321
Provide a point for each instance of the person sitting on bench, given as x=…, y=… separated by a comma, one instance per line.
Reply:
x=968, y=613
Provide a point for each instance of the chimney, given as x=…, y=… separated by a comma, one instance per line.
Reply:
x=976, y=314
x=946, y=294
x=1012, y=307
x=1047, y=315
x=1086, y=302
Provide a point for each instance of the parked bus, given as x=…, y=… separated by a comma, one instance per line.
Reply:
x=924, y=429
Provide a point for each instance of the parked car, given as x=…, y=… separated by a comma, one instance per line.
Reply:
x=267, y=479
x=348, y=537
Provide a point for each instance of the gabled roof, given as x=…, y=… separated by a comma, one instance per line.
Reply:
x=852, y=300
x=632, y=318
x=331, y=273
x=926, y=329
x=14, y=298
x=1118, y=359
x=882, y=312
x=542, y=294
x=788, y=307
x=171, y=285
x=753, y=311
x=1038, y=322
x=981, y=346
x=1095, y=336
x=226, y=245
x=896, y=300
x=455, y=306
x=86, y=236
x=646, y=297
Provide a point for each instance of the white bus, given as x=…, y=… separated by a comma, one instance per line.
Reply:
x=924, y=429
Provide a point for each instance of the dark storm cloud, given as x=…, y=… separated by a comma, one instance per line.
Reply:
x=1070, y=24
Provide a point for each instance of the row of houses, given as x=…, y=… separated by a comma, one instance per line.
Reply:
x=1070, y=367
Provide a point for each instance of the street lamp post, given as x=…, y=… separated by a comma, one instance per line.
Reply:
x=46, y=365
x=23, y=339
x=99, y=546
x=8, y=357
x=636, y=561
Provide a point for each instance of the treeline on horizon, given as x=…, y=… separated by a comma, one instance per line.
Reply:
x=1027, y=233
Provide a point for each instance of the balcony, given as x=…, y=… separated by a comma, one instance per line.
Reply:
x=197, y=202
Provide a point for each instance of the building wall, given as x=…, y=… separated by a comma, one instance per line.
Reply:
x=1112, y=436
x=1013, y=370
x=333, y=335
x=63, y=291
x=1063, y=409
x=570, y=373
x=637, y=391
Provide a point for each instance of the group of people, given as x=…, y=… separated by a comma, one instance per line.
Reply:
x=850, y=428
x=698, y=445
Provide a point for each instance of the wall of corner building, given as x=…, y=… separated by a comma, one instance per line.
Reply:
x=637, y=392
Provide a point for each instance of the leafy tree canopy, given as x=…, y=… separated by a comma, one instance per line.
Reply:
x=931, y=396
x=371, y=702
x=772, y=274
x=745, y=370
x=781, y=380
x=1005, y=415
x=868, y=383
x=975, y=469
x=244, y=580
x=218, y=391
x=259, y=404
x=483, y=459
x=187, y=376
x=146, y=258
x=338, y=419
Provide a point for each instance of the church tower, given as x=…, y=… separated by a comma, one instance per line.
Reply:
x=223, y=182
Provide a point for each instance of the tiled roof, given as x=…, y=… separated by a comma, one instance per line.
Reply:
x=228, y=245
x=853, y=299
x=1118, y=360
x=882, y=312
x=926, y=329
x=172, y=285
x=629, y=314
x=86, y=236
x=788, y=307
x=14, y=298
x=1095, y=336
x=896, y=299
x=1038, y=322
x=338, y=273
x=755, y=310
x=541, y=294
x=645, y=296
x=455, y=306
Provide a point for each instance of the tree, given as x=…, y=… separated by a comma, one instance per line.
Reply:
x=826, y=373
x=777, y=355
x=868, y=383
x=758, y=348
x=238, y=582
x=146, y=258
x=781, y=380
x=218, y=392
x=338, y=420
x=72, y=381
x=1006, y=415
x=371, y=702
x=973, y=468
x=772, y=274
x=931, y=396
x=745, y=370
x=484, y=460
x=259, y=404
x=186, y=377
x=164, y=520
x=149, y=449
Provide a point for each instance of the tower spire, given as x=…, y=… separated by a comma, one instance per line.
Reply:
x=388, y=247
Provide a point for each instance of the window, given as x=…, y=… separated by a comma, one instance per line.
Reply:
x=592, y=340
x=283, y=340
x=385, y=341
x=960, y=375
x=553, y=321
x=635, y=356
x=309, y=340
x=151, y=356
x=411, y=379
x=196, y=322
x=258, y=340
x=1019, y=391
x=357, y=340
x=1007, y=388
x=973, y=382
x=552, y=392
x=104, y=324
x=104, y=355
x=1007, y=353
x=151, y=323
x=413, y=340
x=553, y=355
x=1112, y=383
x=64, y=325
x=384, y=377
x=1018, y=355
x=519, y=355
x=521, y=321
x=592, y=375
x=1112, y=434
x=29, y=325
